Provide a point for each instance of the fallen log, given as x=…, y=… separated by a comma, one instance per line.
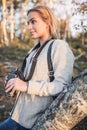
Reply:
x=68, y=109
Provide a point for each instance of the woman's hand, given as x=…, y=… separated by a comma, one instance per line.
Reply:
x=15, y=84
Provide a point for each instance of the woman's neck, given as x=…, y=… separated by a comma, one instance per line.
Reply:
x=43, y=40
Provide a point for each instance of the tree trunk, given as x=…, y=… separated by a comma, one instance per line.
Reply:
x=24, y=14
x=4, y=24
x=68, y=109
x=12, y=22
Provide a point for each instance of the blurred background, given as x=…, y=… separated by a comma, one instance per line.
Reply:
x=15, y=40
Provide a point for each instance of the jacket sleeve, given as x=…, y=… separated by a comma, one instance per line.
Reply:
x=63, y=60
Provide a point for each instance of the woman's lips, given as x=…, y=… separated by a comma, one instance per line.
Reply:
x=32, y=32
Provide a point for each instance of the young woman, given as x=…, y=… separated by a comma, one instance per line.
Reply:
x=36, y=92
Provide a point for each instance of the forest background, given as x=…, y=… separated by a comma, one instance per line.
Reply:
x=15, y=40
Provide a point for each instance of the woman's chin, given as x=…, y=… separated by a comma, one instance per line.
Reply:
x=34, y=37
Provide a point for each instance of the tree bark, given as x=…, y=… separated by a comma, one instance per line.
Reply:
x=68, y=109
x=6, y=41
x=12, y=22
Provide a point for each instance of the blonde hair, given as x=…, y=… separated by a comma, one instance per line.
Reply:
x=48, y=16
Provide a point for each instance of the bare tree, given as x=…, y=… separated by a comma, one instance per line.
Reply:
x=12, y=21
x=3, y=23
x=81, y=9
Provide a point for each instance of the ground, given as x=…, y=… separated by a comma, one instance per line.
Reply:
x=10, y=57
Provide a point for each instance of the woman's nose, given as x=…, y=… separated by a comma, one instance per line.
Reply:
x=29, y=26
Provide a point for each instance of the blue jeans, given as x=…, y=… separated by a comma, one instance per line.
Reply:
x=10, y=124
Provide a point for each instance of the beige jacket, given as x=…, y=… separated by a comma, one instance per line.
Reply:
x=32, y=104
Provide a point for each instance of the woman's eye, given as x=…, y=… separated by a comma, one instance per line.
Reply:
x=33, y=21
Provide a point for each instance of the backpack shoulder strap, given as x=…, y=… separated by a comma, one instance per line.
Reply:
x=35, y=60
x=50, y=66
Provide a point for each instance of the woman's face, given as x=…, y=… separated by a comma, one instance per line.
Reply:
x=36, y=26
